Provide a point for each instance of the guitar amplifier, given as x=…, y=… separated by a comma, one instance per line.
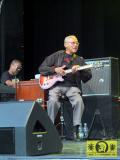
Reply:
x=105, y=79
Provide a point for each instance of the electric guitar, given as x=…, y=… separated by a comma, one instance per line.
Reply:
x=48, y=81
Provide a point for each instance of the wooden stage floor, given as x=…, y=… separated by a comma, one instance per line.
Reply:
x=71, y=150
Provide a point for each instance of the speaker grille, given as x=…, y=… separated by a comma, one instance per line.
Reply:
x=7, y=140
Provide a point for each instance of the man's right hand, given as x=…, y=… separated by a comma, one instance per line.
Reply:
x=10, y=83
x=60, y=70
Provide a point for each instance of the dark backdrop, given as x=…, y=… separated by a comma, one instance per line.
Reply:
x=96, y=23
x=11, y=32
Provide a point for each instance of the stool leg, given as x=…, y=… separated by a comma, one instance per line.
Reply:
x=62, y=122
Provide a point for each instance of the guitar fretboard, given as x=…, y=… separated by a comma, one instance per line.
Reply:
x=80, y=68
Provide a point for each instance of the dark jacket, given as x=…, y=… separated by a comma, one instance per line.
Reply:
x=56, y=59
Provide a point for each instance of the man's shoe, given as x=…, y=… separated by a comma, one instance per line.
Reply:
x=77, y=137
x=76, y=133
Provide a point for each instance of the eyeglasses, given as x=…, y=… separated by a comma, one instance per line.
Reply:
x=74, y=43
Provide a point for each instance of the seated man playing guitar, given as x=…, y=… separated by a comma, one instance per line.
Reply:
x=62, y=75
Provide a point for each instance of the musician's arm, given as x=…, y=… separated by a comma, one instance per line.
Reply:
x=86, y=75
x=6, y=80
x=50, y=65
x=47, y=67
x=10, y=83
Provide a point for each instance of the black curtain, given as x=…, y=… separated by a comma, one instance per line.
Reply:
x=11, y=32
x=95, y=23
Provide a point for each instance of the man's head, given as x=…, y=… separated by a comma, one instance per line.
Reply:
x=15, y=67
x=71, y=44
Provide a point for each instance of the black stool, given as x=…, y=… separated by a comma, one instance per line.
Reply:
x=62, y=122
x=66, y=118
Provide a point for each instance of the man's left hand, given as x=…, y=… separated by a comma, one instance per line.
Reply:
x=75, y=68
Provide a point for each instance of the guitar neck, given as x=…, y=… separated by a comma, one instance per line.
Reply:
x=79, y=68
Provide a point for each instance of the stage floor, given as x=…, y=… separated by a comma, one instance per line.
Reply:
x=71, y=150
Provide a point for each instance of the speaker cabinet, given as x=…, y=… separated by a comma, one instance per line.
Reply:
x=7, y=140
x=108, y=118
x=25, y=129
x=105, y=79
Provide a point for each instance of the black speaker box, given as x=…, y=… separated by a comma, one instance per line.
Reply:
x=105, y=112
x=25, y=129
x=105, y=77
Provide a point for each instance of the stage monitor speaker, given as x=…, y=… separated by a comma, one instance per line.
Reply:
x=102, y=114
x=105, y=77
x=25, y=129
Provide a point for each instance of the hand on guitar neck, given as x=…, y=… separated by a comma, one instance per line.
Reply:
x=75, y=68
